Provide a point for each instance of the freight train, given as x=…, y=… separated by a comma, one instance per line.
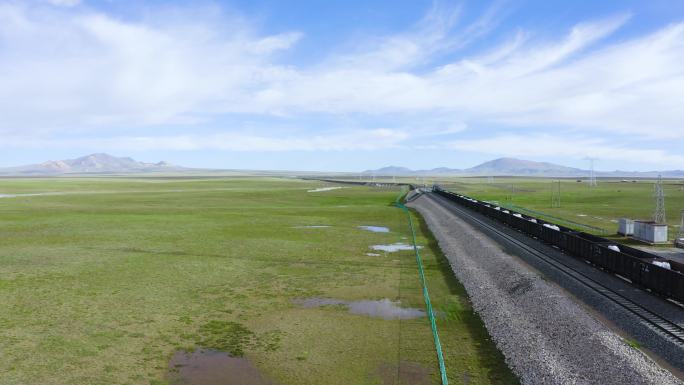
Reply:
x=654, y=273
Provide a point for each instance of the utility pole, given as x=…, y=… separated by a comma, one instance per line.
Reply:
x=659, y=214
x=512, y=192
x=556, y=194
x=592, y=174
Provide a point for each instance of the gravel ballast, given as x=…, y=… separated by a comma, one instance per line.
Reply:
x=546, y=337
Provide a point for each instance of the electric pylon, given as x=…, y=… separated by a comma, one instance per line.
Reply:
x=592, y=174
x=556, y=195
x=659, y=214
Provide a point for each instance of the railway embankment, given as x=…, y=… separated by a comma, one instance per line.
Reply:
x=546, y=336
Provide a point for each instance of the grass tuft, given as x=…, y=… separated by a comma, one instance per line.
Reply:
x=227, y=336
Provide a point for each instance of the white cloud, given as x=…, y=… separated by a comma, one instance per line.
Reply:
x=557, y=147
x=618, y=88
x=363, y=140
x=272, y=44
x=86, y=70
x=64, y=71
x=64, y=3
x=404, y=50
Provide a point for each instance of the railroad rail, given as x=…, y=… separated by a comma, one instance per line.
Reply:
x=665, y=327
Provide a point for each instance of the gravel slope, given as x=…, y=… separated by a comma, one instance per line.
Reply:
x=545, y=336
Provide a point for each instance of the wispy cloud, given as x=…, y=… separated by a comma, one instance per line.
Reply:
x=552, y=147
x=405, y=50
x=65, y=71
x=64, y=3
x=86, y=70
x=365, y=140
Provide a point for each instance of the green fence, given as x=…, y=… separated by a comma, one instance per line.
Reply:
x=426, y=295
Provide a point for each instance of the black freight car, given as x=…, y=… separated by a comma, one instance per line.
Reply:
x=635, y=265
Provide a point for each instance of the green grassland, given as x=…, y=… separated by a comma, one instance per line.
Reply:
x=102, y=282
x=599, y=206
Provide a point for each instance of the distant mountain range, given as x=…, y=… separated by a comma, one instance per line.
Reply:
x=108, y=164
x=91, y=164
x=518, y=167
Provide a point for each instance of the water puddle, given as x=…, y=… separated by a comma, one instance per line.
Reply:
x=375, y=229
x=323, y=189
x=383, y=308
x=393, y=247
x=373, y=254
x=211, y=367
x=29, y=195
x=405, y=372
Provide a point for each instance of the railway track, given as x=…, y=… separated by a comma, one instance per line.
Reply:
x=663, y=326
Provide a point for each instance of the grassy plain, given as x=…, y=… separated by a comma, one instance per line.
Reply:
x=599, y=206
x=103, y=281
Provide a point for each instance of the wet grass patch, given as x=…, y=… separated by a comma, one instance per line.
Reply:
x=112, y=285
x=403, y=373
x=227, y=336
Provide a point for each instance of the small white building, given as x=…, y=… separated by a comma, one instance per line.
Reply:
x=651, y=232
x=625, y=226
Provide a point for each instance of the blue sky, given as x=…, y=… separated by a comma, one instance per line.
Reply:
x=344, y=86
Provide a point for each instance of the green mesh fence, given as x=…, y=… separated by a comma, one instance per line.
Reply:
x=426, y=295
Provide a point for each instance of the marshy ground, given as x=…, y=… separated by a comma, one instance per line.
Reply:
x=166, y=280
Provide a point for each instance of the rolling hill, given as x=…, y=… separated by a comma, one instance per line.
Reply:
x=91, y=164
x=519, y=167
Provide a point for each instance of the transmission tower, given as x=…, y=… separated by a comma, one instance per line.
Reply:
x=490, y=179
x=511, y=188
x=592, y=174
x=556, y=194
x=659, y=214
